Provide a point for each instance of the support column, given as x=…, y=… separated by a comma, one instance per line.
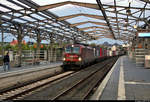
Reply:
x=19, y=38
x=38, y=45
x=2, y=43
x=68, y=41
x=51, y=48
x=60, y=57
x=61, y=42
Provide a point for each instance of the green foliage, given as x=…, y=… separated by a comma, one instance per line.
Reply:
x=64, y=44
x=7, y=47
x=56, y=45
x=102, y=46
x=93, y=44
x=31, y=47
x=44, y=47
x=25, y=47
x=0, y=48
x=15, y=47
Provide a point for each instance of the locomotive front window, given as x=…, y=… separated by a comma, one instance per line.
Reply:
x=68, y=49
x=72, y=50
x=76, y=50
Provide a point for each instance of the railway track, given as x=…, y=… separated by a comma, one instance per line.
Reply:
x=68, y=85
x=81, y=89
x=76, y=87
x=15, y=93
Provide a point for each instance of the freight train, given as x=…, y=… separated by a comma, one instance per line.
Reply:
x=81, y=55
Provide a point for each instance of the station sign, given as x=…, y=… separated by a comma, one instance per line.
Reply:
x=144, y=34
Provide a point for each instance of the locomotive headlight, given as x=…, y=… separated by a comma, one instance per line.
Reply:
x=64, y=59
x=80, y=59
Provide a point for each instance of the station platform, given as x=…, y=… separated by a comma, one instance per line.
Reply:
x=20, y=75
x=125, y=81
x=30, y=67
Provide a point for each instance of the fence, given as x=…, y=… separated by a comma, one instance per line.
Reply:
x=30, y=57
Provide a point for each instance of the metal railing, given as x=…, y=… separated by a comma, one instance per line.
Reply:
x=34, y=57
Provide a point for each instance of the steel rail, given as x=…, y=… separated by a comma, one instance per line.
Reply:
x=19, y=91
x=77, y=84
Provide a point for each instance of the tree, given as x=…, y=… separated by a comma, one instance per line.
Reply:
x=93, y=44
x=25, y=47
x=7, y=47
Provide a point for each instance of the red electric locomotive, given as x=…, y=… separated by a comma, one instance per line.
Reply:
x=78, y=55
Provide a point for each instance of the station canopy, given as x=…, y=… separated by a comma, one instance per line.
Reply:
x=78, y=20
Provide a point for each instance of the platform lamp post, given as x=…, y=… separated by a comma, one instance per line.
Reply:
x=38, y=44
x=51, y=47
x=2, y=39
x=20, y=37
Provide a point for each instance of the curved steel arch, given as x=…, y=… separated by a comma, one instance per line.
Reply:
x=89, y=5
x=80, y=23
x=93, y=27
x=80, y=14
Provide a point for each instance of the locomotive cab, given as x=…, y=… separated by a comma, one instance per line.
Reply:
x=78, y=55
x=72, y=55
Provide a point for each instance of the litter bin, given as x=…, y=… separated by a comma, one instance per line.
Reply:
x=147, y=61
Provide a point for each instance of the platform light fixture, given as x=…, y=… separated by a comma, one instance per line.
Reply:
x=135, y=26
x=80, y=59
x=64, y=59
x=72, y=46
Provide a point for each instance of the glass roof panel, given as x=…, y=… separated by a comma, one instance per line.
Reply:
x=28, y=18
x=89, y=25
x=147, y=13
x=134, y=3
x=8, y=37
x=141, y=23
x=21, y=3
x=4, y=9
x=148, y=6
x=9, y=4
x=44, y=15
x=18, y=20
x=70, y=9
x=55, y=24
x=17, y=14
x=83, y=19
x=31, y=25
x=5, y=24
x=37, y=16
x=110, y=14
x=6, y=17
x=46, y=2
x=41, y=27
x=88, y=30
x=27, y=12
x=48, y=25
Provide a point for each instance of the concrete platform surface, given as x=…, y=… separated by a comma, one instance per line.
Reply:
x=28, y=67
x=125, y=81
